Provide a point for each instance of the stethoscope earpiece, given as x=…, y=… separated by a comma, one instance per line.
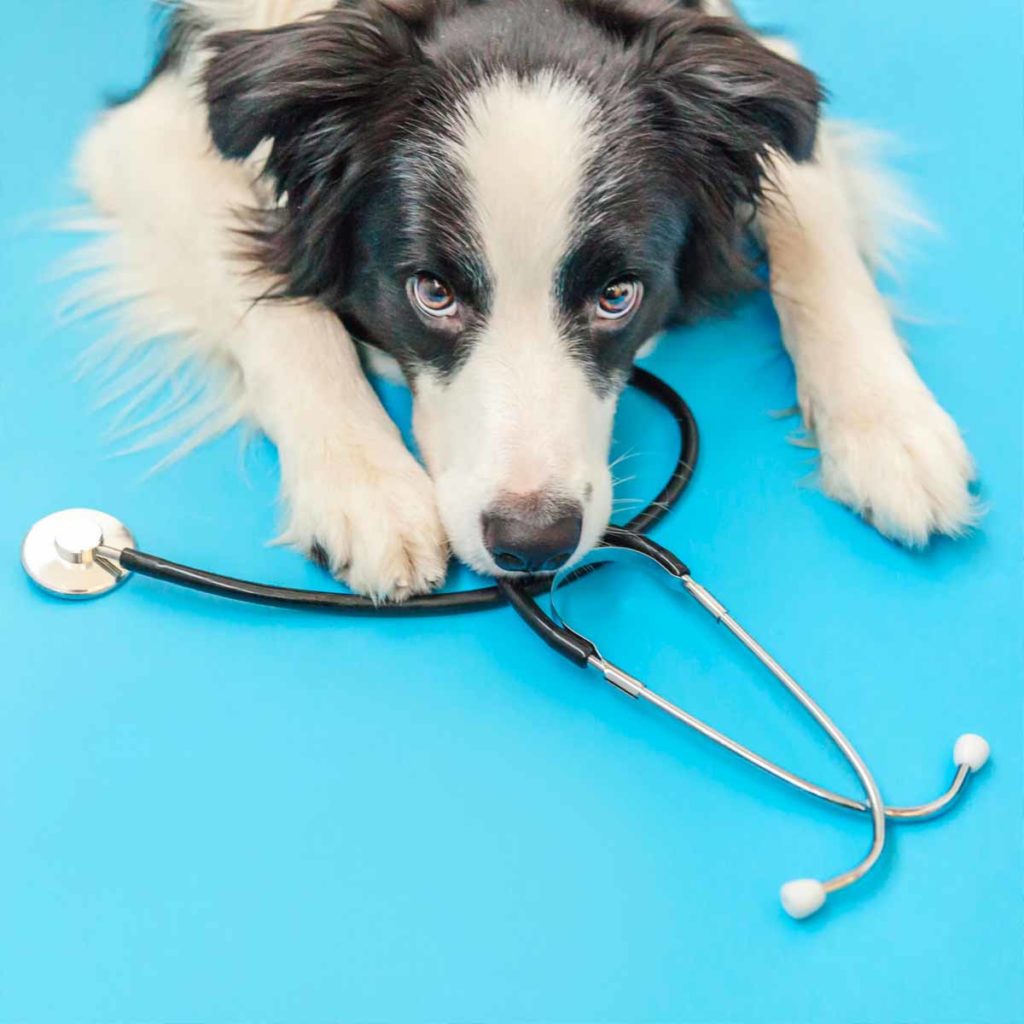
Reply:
x=971, y=751
x=802, y=897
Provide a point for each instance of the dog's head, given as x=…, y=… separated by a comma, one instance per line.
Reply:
x=510, y=198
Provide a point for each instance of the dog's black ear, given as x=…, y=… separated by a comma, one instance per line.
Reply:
x=720, y=103
x=330, y=92
x=346, y=65
x=725, y=88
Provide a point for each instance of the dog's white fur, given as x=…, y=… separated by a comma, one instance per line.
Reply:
x=168, y=200
x=536, y=424
x=888, y=449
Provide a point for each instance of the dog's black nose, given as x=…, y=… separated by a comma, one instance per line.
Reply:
x=530, y=534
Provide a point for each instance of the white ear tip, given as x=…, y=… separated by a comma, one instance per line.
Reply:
x=802, y=897
x=971, y=750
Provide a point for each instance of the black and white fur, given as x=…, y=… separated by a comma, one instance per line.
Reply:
x=293, y=163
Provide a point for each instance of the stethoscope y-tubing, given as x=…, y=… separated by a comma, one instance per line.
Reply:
x=801, y=897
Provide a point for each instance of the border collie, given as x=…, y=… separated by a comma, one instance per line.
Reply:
x=505, y=200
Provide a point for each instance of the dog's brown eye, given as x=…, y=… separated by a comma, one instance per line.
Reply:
x=619, y=298
x=432, y=296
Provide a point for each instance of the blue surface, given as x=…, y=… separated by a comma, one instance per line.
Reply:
x=214, y=812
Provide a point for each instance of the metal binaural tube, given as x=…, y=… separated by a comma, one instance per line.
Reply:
x=875, y=803
x=918, y=812
x=800, y=897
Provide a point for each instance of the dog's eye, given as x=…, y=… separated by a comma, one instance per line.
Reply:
x=619, y=298
x=432, y=296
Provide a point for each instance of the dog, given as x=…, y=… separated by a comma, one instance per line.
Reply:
x=503, y=201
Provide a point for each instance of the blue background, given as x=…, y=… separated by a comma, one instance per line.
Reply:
x=217, y=812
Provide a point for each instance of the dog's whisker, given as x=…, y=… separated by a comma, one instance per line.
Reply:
x=631, y=454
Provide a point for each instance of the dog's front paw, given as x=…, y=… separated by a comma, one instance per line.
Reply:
x=370, y=517
x=901, y=464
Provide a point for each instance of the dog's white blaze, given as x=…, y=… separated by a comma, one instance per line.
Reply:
x=520, y=416
x=524, y=151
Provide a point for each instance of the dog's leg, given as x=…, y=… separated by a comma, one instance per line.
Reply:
x=888, y=449
x=352, y=489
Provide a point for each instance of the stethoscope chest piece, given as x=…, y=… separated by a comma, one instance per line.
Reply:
x=73, y=553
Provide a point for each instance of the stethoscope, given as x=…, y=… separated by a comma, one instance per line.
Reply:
x=81, y=553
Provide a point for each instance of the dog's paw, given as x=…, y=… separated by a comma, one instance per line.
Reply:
x=901, y=464
x=371, y=520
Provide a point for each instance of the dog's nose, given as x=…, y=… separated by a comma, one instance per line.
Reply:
x=532, y=535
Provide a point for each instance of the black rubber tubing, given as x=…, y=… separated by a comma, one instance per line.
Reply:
x=520, y=594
